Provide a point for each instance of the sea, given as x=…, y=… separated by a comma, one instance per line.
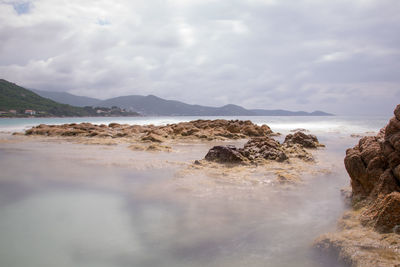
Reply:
x=322, y=124
x=66, y=204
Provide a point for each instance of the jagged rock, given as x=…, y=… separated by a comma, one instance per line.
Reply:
x=374, y=166
x=306, y=140
x=263, y=147
x=225, y=154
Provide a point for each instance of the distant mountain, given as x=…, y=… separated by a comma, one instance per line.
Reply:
x=67, y=98
x=155, y=106
x=16, y=101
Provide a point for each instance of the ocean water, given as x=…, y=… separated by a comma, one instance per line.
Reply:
x=328, y=124
x=65, y=204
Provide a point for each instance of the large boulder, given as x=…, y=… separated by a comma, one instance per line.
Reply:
x=374, y=168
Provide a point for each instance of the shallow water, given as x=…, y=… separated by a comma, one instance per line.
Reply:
x=64, y=204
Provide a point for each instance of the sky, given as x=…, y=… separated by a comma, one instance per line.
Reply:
x=338, y=56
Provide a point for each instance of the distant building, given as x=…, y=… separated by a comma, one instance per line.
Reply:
x=3, y=112
x=99, y=111
x=30, y=112
x=13, y=111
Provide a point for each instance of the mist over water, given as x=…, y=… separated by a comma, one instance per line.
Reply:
x=64, y=204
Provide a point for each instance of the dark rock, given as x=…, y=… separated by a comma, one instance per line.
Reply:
x=225, y=154
x=258, y=149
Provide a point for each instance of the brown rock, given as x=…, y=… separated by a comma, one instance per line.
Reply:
x=263, y=147
x=153, y=138
x=374, y=169
x=358, y=173
x=384, y=215
x=114, y=125
x=397, y=112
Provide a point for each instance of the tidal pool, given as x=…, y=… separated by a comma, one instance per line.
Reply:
x=84, y=205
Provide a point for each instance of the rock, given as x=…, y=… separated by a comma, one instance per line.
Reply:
x=397, y=112
x=306, y=140
x=198, y=129
x=263, y=147
x=297, y=151
x=153, y=138
x=258, y=150
x=114, y=125
x=374, y=168
x=384, y=215
x=225, y=154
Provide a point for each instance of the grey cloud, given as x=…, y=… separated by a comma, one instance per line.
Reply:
x=301, y=55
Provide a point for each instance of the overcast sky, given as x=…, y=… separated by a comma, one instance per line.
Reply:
x=337, y=56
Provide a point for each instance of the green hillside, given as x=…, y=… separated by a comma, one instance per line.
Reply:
x=14, y=97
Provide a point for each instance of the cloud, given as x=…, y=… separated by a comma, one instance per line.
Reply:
x=338, y=56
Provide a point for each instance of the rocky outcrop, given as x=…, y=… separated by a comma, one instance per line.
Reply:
x=258, y=149
x=264, y=148
x=198, y=129
x=369, y=234
x=305, y=140
x=373, y=166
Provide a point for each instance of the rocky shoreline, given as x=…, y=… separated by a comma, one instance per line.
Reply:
x=198, y=129
x=369, y=234
x=260, y=147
